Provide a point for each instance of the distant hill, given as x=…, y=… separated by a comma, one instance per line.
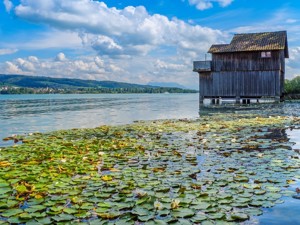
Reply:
x=167, y=84
x=29, y=84
x=50, y=82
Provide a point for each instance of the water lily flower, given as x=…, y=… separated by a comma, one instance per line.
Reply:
x=158, y=205
x=260, y=155
x=175, y=203
x=84, y=158
x=63, y=160
x=233, y=140
x=140, y=193
x=101, y=153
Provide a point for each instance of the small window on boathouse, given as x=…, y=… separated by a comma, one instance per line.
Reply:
x=266, y=54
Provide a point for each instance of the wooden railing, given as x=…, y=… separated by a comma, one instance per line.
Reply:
x=202, y=66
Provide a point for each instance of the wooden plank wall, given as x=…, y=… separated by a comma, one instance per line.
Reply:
x=244, y=74
x=245, y=61
x=240, y=83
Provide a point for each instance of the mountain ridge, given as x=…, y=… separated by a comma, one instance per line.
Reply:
x=79, y=85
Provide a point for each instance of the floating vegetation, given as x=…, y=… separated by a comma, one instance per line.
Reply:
x=219, y=169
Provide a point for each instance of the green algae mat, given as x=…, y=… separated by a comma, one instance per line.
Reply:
x=219, y=169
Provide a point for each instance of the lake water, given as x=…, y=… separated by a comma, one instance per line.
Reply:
x=21, y=114
x=41, y=113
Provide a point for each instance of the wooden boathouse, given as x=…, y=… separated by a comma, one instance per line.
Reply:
x=249, y=69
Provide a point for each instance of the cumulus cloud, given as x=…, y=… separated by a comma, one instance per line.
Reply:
x=11, y=68
x=7, y=51
x=111, y=31
x=8, y=5
x=162, y=65
x=136, y=70
x=60, y=57
x=127, y=43
x=206, y=4
x=25, y=65
x=88, y=68
x=292, y=65
x=33, y=59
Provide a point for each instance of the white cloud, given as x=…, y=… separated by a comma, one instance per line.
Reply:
x=60, y=57
x=89, y=68
x=7, y=51
x=33, y=59
x=25, y=65
x=106, y=46
x=111, y=31
x=207, y=4
x=292, y=65
x=11, y=68
x=51, y=38
x=162, y=65
x=8, y=5
x=131, y=44
x=291, y=20
x=135, y=70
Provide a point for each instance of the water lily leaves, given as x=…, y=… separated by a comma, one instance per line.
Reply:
x=215, y=216
x=183, y=212
x=198, y=218
x=145, y=218
x=25, y=216
x=63, y=217
x=11, y=212
x=109, y=215
x=45, y=220
x=70, y=210
x=162, y=172
x=200, y=205
x=4, y=190
x=156, y=222
x=254, y=211
x=273, y=189
x=140, y=211
x=241, y=178
x=239, y=216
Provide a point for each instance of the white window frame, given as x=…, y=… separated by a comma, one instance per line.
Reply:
x=267, y=54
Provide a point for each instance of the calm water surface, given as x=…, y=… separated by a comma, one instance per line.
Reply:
x=40, y=113
x=21, y=114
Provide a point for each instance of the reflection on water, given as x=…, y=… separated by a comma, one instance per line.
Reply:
x=285, y=109
x=31, y=113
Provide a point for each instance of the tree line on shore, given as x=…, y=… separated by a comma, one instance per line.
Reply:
x=24, y=90
x=292, y=86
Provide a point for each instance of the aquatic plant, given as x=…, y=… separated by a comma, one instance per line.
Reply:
x=219, y=169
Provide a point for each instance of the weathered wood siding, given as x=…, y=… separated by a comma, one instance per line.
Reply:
x=244, y=74
x=238, y=83
x=245, y=61
x=282, y=71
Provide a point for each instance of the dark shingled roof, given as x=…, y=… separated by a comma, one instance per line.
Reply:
x=254, y=42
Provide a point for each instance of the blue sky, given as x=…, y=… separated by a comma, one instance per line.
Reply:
x=132, y=40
